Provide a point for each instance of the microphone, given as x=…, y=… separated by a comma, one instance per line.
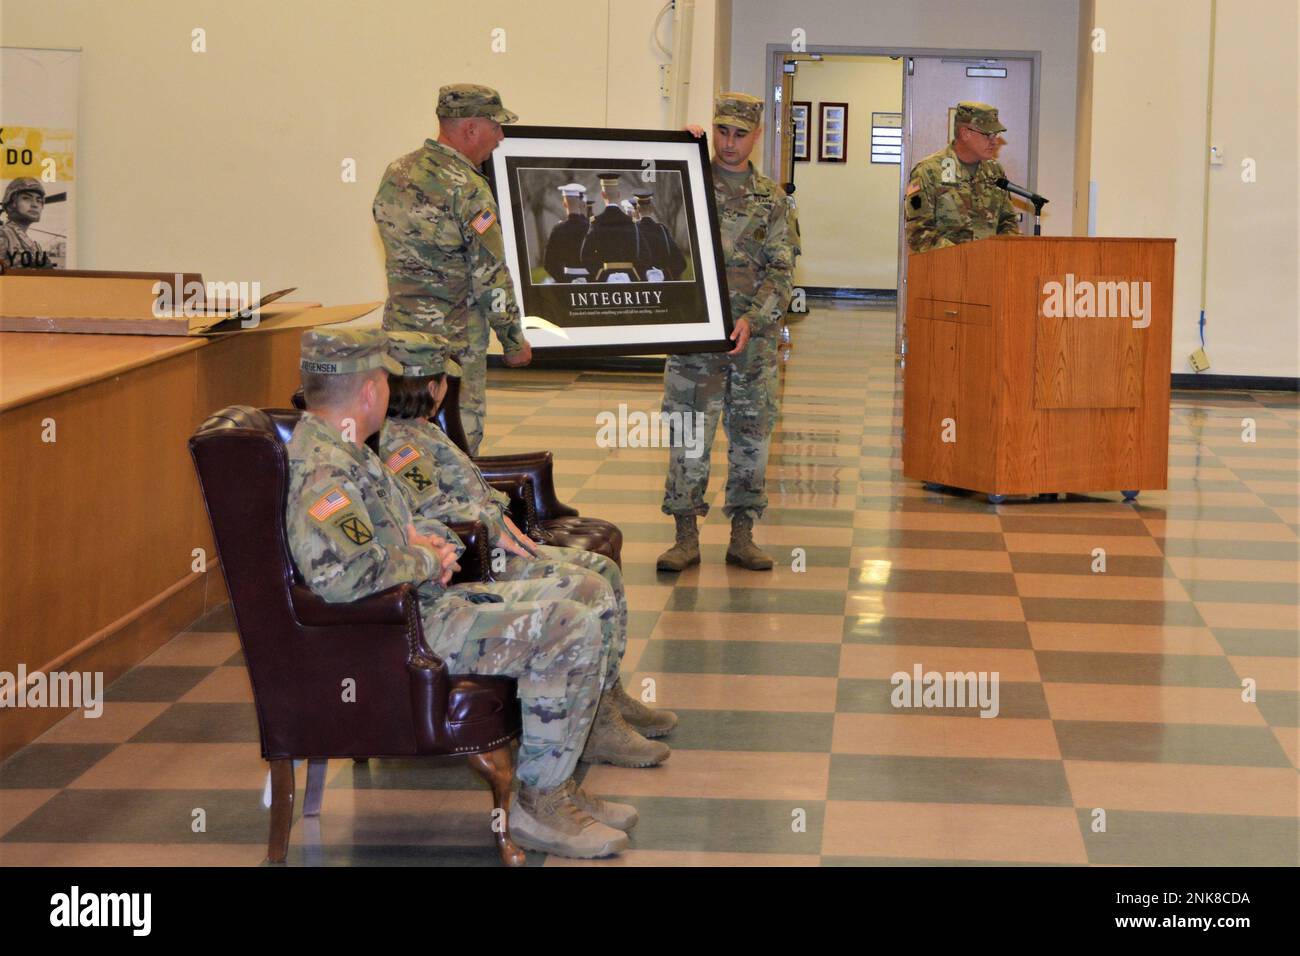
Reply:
x=1033, y=197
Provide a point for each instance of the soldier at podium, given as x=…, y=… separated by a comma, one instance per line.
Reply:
x=952, y=195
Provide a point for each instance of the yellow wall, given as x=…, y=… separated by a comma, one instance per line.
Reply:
x=228, y=162
x=1149, y=158
x=848, y=212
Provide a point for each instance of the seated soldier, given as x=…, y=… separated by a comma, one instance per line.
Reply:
x=352, y=535
x=442, y=483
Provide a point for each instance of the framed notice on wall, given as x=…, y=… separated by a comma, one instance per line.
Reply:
x=800, y=111
x=833, y=133
x=612, y=240
x=887, y=138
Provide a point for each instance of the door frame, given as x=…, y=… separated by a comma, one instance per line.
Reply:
x=771, y=162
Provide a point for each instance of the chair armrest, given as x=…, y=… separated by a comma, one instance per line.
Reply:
x=523, y=510
x=389, y=607
x=476, y=562
x=539, y=467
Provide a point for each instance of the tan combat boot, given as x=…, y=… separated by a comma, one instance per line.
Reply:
x=742, y=550
x=612, y=741
x=646, y=721
x=620, y=816
x=687, y=549
x=549, y=821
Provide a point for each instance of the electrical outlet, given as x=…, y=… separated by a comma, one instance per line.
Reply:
x=1200, y=361
x=1216, y=156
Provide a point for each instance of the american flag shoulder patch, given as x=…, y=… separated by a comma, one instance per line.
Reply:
x=401, y=458
x=328, y=504
x=483, y=221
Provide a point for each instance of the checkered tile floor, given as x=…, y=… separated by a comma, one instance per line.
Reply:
x=1122, y=738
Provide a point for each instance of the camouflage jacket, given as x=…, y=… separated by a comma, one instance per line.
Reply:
x=760, y=241
x=346, y=520
x=437, y=479
x=944, y=204
x=445, y=253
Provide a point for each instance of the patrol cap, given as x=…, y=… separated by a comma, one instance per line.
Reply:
x=740, y=110
x=24, y=184
x=573, y=189
x=329, y=351
x=458, y=100
x=979, y=115
x=421, y=354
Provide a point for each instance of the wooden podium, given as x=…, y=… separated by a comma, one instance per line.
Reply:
x=1039, y=365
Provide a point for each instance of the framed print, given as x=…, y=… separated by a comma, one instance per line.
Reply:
x=800, y=110
x=833, y=133
x=611, y=238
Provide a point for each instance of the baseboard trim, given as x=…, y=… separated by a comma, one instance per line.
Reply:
x=1252, y=383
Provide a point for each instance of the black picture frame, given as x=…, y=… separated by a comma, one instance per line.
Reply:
x=651, y=300
x=833, y=145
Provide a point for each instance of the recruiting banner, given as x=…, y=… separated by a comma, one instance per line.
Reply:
x=38, y=127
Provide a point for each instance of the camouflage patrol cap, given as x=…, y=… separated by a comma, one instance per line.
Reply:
x=23, y=185
x=421, y=354
x=330, y=351
x=740, y=110
x=981, y=116
x=469, y=99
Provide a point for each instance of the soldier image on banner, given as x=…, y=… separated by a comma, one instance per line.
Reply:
x=352, y=534
x=952, y=195
x=442, y=240
x=563, y=258
x=612, y=250
x=23, y=205
x=760, y=242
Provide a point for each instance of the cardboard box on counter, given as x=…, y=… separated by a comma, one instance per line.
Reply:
x=150, y=303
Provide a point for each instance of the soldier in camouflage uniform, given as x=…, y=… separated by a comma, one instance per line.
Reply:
x=760, y=240
x=442, y=237
x=442, y=483
x=951, y=195
x=352, y=534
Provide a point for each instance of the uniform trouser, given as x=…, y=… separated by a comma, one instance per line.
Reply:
x=473, y=382
x=551, y=561
x=545, y=633
x=742, y=391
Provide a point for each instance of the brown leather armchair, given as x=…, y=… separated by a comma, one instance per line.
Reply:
x=528, y=478
x=300, y=650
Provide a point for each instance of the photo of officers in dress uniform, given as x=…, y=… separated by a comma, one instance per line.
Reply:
x=585, y=225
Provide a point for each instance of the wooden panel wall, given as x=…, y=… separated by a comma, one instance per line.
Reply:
x=99, y=526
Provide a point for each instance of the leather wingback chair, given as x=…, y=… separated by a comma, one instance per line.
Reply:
x=528, y=478
x=300, y=649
